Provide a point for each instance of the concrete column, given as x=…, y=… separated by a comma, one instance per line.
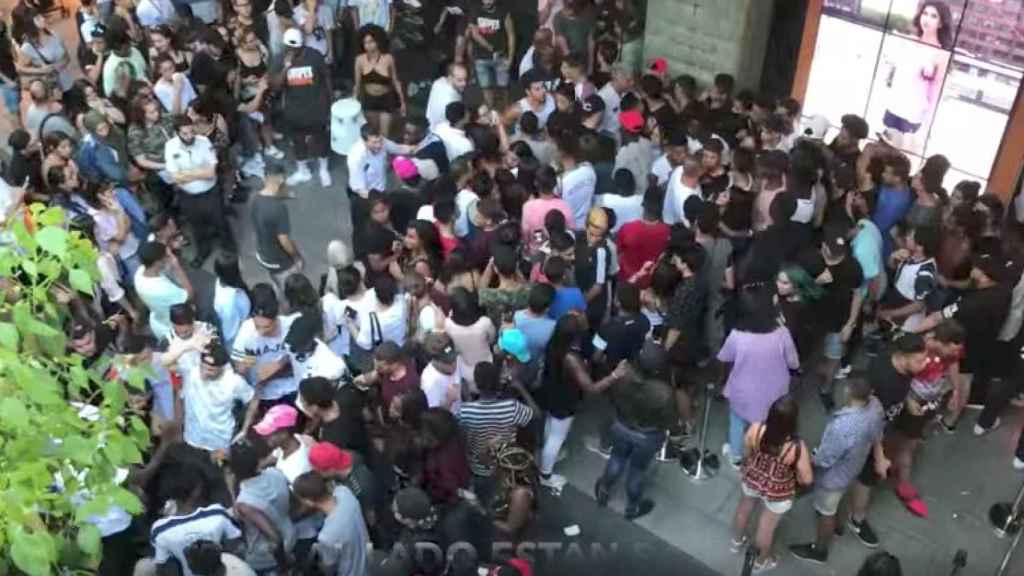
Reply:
x=705, y=37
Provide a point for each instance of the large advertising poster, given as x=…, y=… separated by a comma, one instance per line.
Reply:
x=929, y=76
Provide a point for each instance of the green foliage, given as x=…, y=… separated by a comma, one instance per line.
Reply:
x=42, y=435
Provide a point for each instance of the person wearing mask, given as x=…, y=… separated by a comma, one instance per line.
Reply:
x=306, y=95
x=276, y=251
x=154, y=286
x=192, y=163
x=258, y=351
x=341, y=544
x=445, y=91
x=644, y=412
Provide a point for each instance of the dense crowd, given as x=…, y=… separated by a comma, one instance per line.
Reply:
x=584, y=229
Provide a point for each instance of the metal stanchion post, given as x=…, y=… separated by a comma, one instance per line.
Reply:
x=666, y=452
x=699, y=464
x=1006, y=519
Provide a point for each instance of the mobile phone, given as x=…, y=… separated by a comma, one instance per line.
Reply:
x=351, y=312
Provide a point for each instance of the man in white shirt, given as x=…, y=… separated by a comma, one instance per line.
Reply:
x=259, y=352
x=154, y=12
x=682, y=184
x=367, y=171
x=192, y=163
x=612, y=92
x=310, y=357
x=441, y=380
x=577, y=182
x=452, y=132
x=444, y=91
x=156, y=290
x=209, y=394
x=318, y=30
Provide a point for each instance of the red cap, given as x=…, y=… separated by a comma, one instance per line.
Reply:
x=325, y=457
x=659, y=66
x=631, y=120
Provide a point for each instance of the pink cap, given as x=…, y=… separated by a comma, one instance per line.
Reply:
x=278, y=417
x=404, y=168
x=659, y=66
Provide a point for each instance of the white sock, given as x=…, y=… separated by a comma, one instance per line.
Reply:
x=323, y=163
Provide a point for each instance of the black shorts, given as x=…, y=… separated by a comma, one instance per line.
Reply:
x=913, y=426
x=868, y=476
x=900, y=123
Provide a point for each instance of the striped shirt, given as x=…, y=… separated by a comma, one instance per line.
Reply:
x=170, y=536
x=485, y=421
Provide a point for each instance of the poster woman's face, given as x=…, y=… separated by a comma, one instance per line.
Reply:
x=930, y=20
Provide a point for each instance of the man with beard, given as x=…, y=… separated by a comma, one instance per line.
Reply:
x=192, y=162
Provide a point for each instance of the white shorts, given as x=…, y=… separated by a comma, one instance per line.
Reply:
x=778, y=507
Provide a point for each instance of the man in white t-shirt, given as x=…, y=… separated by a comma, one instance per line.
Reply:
x=612, y=92
x=682, y=184
x=441, y=380
x=452, y=131
x=318, y=31
x=156, y=290
x=310, y=357
x=209, y=394
x=259, y=351
x=444, y=91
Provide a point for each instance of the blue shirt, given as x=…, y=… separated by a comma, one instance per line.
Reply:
x=848, y=439
x=893, y=205
x=538, y=331
x=867, y=250
x=567, y=298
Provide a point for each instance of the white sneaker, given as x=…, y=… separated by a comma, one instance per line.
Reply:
x=843, y=372
x=980, y=431
x=274, y=152
x=554, y=481
x=325, y=177
x=300, y=176
x=1018, y=464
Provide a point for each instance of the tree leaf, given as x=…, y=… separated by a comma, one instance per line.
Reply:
x=88, y=539
x=30, y=268
x=53, y=240
x=80, y=280
x=53, y=216
x=9, y=336
x=12, y=411
x=33, y=553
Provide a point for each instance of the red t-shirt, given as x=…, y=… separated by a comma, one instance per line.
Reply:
x=640, y=242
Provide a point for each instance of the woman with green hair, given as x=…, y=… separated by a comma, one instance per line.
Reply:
x=795, y=294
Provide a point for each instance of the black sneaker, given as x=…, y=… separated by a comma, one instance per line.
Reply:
x=809, y=553
x=642, y=509
x=601, y=493
x=864, y=532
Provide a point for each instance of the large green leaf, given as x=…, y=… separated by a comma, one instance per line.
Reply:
x=80, y=280
x=33, y=553
x=88, y=540
x=53, y=240
x=9, y=336
x=13, y=412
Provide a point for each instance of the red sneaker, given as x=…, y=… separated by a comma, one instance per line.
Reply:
x=917, y=507
x=906, y=491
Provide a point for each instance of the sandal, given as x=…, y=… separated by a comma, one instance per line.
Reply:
x=738, y=545
x=769, y=564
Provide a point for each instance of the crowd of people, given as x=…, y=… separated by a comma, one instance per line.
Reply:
x=582, y=234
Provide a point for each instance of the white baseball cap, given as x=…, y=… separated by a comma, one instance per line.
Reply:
x=293, y=37
x=815, y=127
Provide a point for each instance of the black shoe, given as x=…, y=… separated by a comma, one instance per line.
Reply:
x=601, y=493
x=864, y=532
x=809, y=553
x=642, y=509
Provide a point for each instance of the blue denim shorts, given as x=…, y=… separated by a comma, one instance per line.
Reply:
x=834, y=346
x=491, y=72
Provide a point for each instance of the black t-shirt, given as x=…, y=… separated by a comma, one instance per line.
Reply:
x=348, y=430
x=307, y=92
x=435, y=151
x=490, y=24
x=981, y=313
x=835, y=304
x=270, y=220
x=25, y=167
x=622, y=337
x=888, y=385
x=711, y=186
x=208, y=72
x=6, y=54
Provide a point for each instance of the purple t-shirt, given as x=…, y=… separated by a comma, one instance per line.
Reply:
x=760, y=371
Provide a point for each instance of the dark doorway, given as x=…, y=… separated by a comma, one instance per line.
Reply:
x=783, y=47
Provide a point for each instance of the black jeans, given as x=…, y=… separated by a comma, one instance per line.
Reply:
x=359, y=209
x=205, y=214
x=997, y=381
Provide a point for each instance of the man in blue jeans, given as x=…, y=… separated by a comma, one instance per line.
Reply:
x=644, y=411
x=493, y=41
